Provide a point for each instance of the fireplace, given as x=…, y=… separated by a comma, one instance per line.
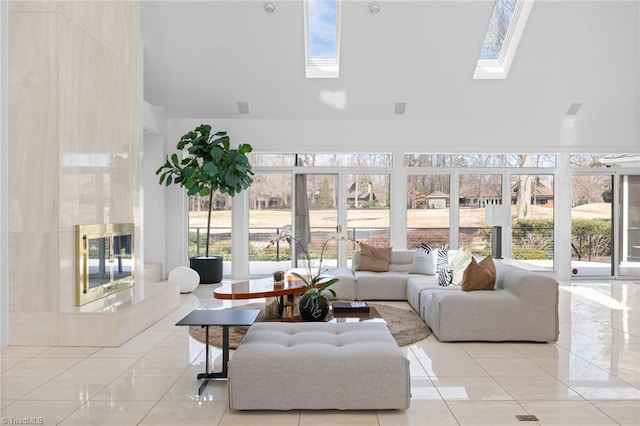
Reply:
x=105, y=260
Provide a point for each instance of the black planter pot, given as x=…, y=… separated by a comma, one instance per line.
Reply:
x=209, y=268
x=313, y=308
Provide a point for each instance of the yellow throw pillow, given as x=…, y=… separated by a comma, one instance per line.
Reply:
x=374, y=259
x=479, y=276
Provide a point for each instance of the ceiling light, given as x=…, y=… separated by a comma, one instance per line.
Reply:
x=374, y=8
x=269, y=7
x=399, y=108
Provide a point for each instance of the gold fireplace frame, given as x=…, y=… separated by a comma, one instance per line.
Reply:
x=105, y=259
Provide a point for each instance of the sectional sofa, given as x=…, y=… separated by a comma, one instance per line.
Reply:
x=523, y=305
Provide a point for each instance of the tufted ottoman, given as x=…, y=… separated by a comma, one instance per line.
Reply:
x=344, y=366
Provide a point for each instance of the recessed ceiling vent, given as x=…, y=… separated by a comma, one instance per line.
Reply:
x=399, y=108
x=243, y=107
x=573, y=109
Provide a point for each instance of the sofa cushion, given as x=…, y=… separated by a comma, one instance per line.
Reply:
x=381, y=286
x=374, y=259
x=479, y=276
x=424, y=262
x=459, y=263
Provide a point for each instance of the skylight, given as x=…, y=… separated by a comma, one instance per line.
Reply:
x=501, y=40
x=322, y=38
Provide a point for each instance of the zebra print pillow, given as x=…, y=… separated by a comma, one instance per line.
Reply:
x=443, y=257
x=444, y=276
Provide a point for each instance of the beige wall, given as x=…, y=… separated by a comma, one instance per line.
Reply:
x=74, y=146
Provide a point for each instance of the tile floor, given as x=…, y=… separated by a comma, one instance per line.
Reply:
x=591, y=376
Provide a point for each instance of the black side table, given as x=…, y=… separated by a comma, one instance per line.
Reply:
x=223, y=318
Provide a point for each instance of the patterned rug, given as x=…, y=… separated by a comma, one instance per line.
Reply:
x=405, y=325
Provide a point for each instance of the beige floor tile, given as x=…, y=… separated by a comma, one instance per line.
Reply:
x=537, y=388
x=514, y=367
x=186, y=389
x=172, y=413
x=471, y=389
x=7, y=363
x=157, y=368
x=41, y=367
x=490, y=350
x=99, y=368
x=122, y=413
x=67, y=352
x=74, y=389
x=626, y=413
x=350, y=418
x=260, y=418
x=424, y=390
x=39, y=412
x=475, y=413
x=567, y=413
x=455, y=365
x=12, y=388
x=135, y=389
x=128, y=350
x=420, y=413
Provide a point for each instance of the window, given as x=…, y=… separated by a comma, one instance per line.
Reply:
x=322, y=38
x=505, y=28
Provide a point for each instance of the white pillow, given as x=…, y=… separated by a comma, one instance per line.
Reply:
x=424, y=263
x=461, y=260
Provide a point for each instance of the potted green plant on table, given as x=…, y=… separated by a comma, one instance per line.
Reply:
x=208, y=164
x=313, y=305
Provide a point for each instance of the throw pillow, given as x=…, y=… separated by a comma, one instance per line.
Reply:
x=444, y=276
x=479, y=276
x=424, y=262
x=374, y=259
x=425, y=247
x=443, y=257
x=459, y=263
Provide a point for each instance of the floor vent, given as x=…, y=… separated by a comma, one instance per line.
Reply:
x=527, y=418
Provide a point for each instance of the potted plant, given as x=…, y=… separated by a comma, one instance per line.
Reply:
x=313, y=304
x=208, y=165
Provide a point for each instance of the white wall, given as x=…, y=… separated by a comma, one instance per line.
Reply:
x=422, y=135
x=154, y=204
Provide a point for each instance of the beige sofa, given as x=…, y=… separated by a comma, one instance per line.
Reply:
x=522, y=307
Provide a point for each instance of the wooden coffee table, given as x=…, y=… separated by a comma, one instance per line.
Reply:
x=258, y=288
x=263, y=288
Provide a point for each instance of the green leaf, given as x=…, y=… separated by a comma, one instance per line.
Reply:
x=174, y=160
x=245, y=148
x=210, y=168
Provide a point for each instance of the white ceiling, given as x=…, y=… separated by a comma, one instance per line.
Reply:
x=202, y=57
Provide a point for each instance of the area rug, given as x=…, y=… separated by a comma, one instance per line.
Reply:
x=405, y=326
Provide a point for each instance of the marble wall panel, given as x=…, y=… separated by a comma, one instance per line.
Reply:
x=33, y=122
x=33, y=328
x=87, y=329
x=99, y=127
x=115, y=24
x=33, y=272
x=67, y=271
x=33, y=6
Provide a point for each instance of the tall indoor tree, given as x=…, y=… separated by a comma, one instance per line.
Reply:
x=208, y=164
